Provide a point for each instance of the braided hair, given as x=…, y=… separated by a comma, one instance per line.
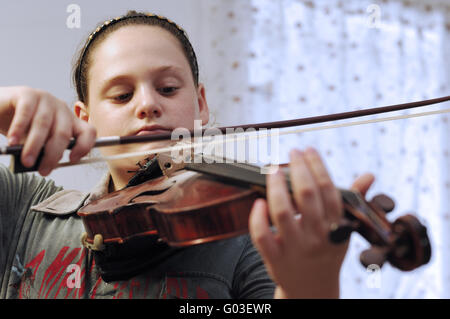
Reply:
x=81, y=66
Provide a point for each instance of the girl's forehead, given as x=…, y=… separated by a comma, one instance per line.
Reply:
x=137, y=46
x=138, y=38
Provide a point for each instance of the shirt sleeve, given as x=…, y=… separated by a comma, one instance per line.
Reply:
x=251, y=280
x=18, y=192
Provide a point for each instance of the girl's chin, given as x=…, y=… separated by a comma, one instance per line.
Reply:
x=139, y=148
x=146, y=150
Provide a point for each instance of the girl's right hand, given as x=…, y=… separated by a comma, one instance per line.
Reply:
x=41, y=121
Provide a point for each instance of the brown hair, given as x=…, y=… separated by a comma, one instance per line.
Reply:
x=82, y=63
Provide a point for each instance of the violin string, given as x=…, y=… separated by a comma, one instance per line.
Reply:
x=236, y=137
x=247, y=173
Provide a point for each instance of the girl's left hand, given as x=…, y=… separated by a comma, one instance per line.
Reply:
x=299, y=256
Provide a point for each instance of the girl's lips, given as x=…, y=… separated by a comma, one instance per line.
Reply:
x=152, y=132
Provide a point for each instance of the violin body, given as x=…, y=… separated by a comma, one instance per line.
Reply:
x=184, y=209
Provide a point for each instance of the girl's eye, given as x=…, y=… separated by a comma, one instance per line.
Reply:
x=123, y=97
x=167, y=90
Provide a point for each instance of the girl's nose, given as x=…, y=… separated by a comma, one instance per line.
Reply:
x=148, y=105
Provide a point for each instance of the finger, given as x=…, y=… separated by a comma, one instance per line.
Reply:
x=260, y=232
x=363, y=183
x=38, y=134
x=55, y=146
x=85, y=135
x=330, y=197
x=305, y=193
x=21, y=122
x=281, y=210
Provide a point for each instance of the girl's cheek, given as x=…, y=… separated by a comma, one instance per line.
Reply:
x=187, y=115
x=110, y=125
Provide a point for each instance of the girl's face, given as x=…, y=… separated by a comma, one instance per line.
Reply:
x=140, y=82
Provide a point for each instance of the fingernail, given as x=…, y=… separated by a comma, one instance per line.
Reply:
x=296, y=152
x=272, y=169
x=44, y=171
x=74, y=158
x=13, y=140
x=257, y=204
x=311, y=150
x=275, y=174
x=29, y=160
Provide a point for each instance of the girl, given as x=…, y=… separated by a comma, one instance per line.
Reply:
x=138, y=74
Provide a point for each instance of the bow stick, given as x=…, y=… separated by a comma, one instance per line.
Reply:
x=16, y=150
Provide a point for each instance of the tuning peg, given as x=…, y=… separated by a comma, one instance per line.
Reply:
x=383, y=202
x=412, y=246
x=342, y=231
x=374, y=255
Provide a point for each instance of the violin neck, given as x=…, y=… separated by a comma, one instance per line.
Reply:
x=252, y=175
x=240, y=173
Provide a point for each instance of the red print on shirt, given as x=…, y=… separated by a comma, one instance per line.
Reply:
x=55, y=279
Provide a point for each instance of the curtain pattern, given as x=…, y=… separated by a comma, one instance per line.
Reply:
x=267, y=60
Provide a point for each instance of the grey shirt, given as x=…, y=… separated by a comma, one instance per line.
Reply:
x=41, y=254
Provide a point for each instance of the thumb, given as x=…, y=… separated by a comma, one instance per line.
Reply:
x=363, y=183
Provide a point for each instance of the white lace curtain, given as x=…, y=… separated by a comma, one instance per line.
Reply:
x=267, y=60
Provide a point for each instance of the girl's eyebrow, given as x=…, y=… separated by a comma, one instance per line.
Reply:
x=115, y=79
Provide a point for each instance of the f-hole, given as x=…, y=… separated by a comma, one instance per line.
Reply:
x=149, y=193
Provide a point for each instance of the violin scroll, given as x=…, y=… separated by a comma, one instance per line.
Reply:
x=403, y=243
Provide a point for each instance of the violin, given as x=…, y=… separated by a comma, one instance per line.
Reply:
x=190, y=203
x=185, y=203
